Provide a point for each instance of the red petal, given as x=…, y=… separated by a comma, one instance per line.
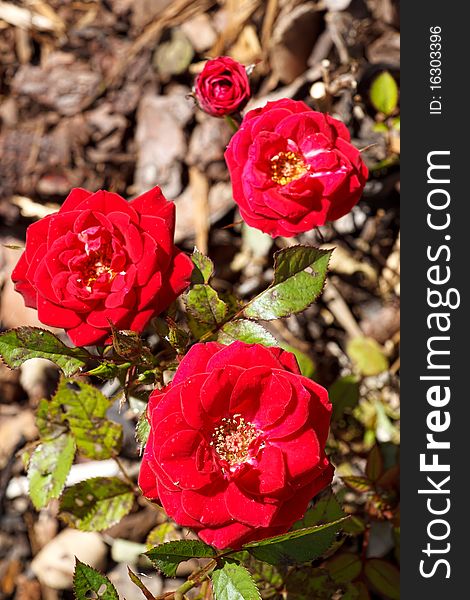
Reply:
x=147, y=480
x=320, y=409
x=163, y=403
x=163, y=430
x=171, y=502
x=196, y=360
x=36, y=236
x=140, y=320
x=208, y=505
x=294, y=509
x=151, y=292
x=36, y=258
x=178, y=457
x=301, y=453
x=244, y=355
x=287, y=360
x=297, y=413
x=159, y=230
x=230, y=536
x=153, y=203
x=56, y=316
x=253, y=395
x=86, y=335
x=148, y=265
x=177, y=279
x=28, y=292
x=193, y=412
x=99, y=318
x=247, y=509
x=60, y=224
x=216, y=390
x=74, y=199
x=108, y=202
x=266, y=477
x=133, y=242
x=19, y=272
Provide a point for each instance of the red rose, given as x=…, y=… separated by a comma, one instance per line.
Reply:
x=293, y=169
x=102, y=258
x=236, y=444
x=222, y=87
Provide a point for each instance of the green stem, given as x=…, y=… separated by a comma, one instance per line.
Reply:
x=197, y=578
x=231, y=121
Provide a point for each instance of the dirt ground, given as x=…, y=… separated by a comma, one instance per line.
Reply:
x=96, y=95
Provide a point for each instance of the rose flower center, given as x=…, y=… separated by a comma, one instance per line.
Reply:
x=233, y=440
x=96, y=269
x=94, y=265
x=287, y=166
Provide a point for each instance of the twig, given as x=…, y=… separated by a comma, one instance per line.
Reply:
x=341, y=311
x=199, y=186
x=126, y=475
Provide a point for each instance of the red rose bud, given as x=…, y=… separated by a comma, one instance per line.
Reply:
x=293, y=169
x=102, y=259
x=222, y=87
x=236, y=444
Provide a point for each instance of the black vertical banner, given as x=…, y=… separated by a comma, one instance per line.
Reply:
x=435, y=365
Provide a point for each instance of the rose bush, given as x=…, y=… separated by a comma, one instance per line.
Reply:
x=222, y=87
x=293, y=169
x=102, y=259
x=236, y=444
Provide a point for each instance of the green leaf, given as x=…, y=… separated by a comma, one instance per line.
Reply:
x=129, y=345
x=96, y=504
x=396, y=123
x=173, y=57
x=384, y=93
x=375, y=464
x=310, y=584
x=203, y=267
x=383, y=577
x=165, y=532
x=81, y=409
x=351, y=592
x=166, y=557
x=298, y=546
x=306, y=364
x=109, y=370
x=246, y=331
x=233, y=582
x=344, y=567
x=178, y=338
x=206, y=311
x=299, y=276
x=367, y=356
x=140, y=584
x=23, y=343
x=88, y=583
x=344, y=394
x=325, y=510
x=262, y=572
x=48, y=469
x=358, y=483
x=380, y=128
x=361, y=589
x=354, y=526
x=142, y=429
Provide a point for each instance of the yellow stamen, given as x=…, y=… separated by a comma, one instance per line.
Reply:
x=233, y=438
x=286, y=167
